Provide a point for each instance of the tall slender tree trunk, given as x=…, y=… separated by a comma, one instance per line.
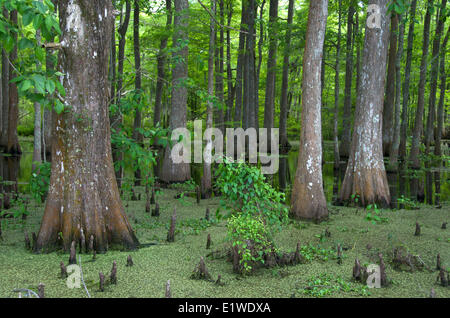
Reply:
x=230, y=87
x=441, y=17
x=5, y=93
x=308, y=198
x=178, y=172
x=269, y=104
x=83, y=194
x=406, y=83
x=117, y=119
x=250, y=101
x=162, y=57
x=219, y=117
x=206, y=180
x=365, y=175
x=336, y=89
x=415, y=188
x=393, y=153
x=284, y=143
x=238, y=108
x=440, y=120
x=138, y=86
x=260, y=59
x=37, y=138
x=347, y=113
x=388, y=109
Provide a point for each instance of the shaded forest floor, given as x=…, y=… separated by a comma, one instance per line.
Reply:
x=156, y=264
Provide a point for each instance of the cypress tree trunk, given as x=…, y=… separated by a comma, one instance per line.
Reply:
x=160, y=81
x=393, y=153
x=116, y=120
x=137, y=85
x=206, y=180
x=336, y=90
x=347, y=114
x=5, y=93
x=269, y=104
x=231, y=89
x=365, y=175
x=170, y=171
x=432, y=99
x=238, y=108
x=416, y=193
x=308, y=198
x=388, y=109
x=83, y=193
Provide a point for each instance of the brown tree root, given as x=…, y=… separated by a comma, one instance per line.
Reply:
x=201, y=272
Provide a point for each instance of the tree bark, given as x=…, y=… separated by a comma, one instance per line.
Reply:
x=388, y=109
x=172, y=172
x=347, y=113
x=219, y=117
x=393, y=153
x=416, y=193
x=206, y=180
x=308, y=198
x=5, y=93
x=284, y=143
x=365, y=175
x=83, y=193
x=336, y=89
x=238, y=108
x=137, y=136
x=429, y=135
x=406, y=83
x=12, y=139
x=118, y=119
x=162, y=57
x=440, y=120
x=269, y=104
x=231, y=89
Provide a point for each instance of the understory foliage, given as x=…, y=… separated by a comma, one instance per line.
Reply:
x=257, y=210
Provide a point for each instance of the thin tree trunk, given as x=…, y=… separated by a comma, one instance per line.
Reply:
x=260, y=58
x=238, y=110
x=5, y=93
x=37, y=140
x=388, y=109
x=206, y=180
x=161, y=80
x=219, y=117
x=83, y=193
x=440, y=120
x=269, y=104
x=118, y=119
x=231, y=89
x=336, y=90
x=347, y=113
x=138, y=86
x=393, y=153
x=308, y=199
x=441, y=17
x=284, y=143
x=406, y=83
x=365, y=175
x=12, y=146
x=416, y=193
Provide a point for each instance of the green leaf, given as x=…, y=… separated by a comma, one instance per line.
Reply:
x=59, y=107
x=50, y=86
x=25, y=43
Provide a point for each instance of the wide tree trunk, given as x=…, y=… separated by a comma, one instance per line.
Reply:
x=388, y=111
x=170, y=171
x=365, y=175
x=308, y=198
x=83, y=194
